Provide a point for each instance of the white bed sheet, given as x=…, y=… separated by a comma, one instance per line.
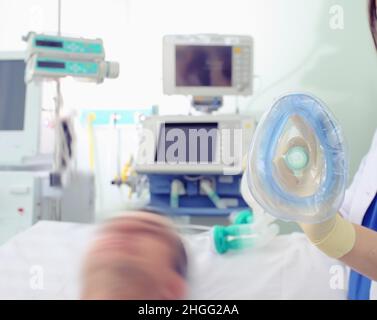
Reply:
x=44, y=263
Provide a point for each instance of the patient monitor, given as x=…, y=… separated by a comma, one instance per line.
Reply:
x=20, y=105
x=207, y=65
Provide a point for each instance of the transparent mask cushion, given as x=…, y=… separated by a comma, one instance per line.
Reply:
x=327, y=133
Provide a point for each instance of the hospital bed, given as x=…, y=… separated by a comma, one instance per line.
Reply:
x=44, y=262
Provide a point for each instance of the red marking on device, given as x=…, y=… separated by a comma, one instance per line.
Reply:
x=21, y=211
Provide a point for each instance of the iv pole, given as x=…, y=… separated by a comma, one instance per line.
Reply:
x=56, y=178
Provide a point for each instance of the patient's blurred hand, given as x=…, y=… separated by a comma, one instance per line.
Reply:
x=136, y=257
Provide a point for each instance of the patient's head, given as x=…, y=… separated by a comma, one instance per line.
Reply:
x=138, y=256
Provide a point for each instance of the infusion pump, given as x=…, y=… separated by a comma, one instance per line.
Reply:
x=194, y=145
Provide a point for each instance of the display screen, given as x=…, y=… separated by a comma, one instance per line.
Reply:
x=12, y=95
x=203, y=66
x=49, y=43
x=188, y=143
x=51, y=64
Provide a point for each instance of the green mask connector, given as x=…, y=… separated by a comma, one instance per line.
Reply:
x=234, y=237
x=297, y=159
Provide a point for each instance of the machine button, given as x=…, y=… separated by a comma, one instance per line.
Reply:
x=20, y=190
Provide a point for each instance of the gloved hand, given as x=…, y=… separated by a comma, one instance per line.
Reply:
x=335, y=237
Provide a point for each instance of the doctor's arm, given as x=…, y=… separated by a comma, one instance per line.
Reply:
x=363, y=256
x=354, y=245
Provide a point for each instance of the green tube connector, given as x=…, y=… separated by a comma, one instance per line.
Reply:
x=234, y=237
x=244, y=217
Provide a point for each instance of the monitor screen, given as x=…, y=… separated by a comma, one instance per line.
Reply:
x=12, y=95
x=203, y=66
x=188, y=143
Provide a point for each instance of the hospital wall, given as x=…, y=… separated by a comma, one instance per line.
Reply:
x=318, y=46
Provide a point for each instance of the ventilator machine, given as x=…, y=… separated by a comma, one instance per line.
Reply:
x=194, y=162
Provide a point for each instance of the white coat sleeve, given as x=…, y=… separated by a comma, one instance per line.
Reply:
x=345, y=209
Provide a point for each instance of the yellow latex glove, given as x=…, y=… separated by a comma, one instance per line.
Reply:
x=335, y=237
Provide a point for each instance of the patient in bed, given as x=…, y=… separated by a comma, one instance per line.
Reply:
x=138, y=256
x=132, y=258
x=142, y=257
